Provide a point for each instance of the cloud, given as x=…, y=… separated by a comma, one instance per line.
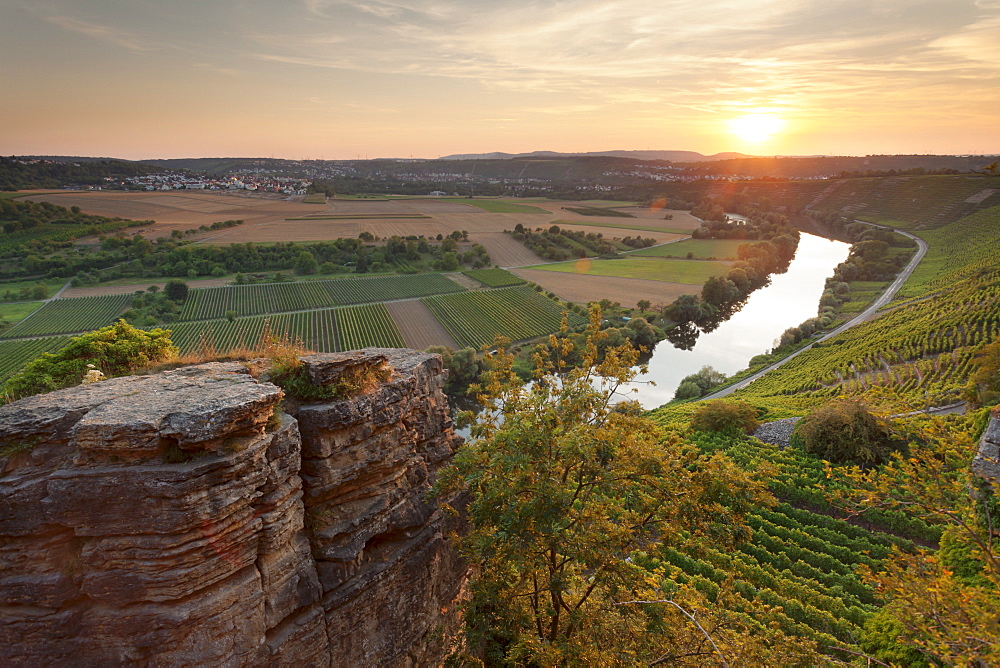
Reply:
x=104, y=33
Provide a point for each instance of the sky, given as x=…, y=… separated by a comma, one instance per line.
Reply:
x=340, y=79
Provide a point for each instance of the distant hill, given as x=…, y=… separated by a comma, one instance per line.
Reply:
x=672, y=156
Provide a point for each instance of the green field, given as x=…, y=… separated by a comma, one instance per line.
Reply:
x=326, y=330
x=209, y=303
x=14, y=312
x=689, y=272
x=476, y=318
x=721, y=249
x=496, y=206
x=66, y=316
x=494, y=278
x=15, y=354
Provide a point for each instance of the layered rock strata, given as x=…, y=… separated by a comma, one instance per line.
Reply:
x=183, y=518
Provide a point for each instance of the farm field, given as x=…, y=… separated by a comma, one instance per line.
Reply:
x=626, y=291
x=476, y=318
x=63, y=316
x=418, y=325
x=15, y=354
x=181, y=210
x=722, y=249
x=619, y=231
x=14, y=312
x=494, y=278
x=326, y=330
x=500, y=206
x=295, y=296
x=655, y=269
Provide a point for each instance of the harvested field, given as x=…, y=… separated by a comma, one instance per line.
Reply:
x=437, y=206
x=369, y=207
x=175, y=211
x=505, y=251
x=625, y=291
x=287, y=230
x=418, y=325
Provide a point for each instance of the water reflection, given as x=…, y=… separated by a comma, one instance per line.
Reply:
x=791, y=298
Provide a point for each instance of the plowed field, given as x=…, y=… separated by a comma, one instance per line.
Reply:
x=626, y=291
x=418, y=325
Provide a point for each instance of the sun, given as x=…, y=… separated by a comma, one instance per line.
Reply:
x=757, y=126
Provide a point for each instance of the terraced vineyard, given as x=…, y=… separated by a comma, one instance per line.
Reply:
x=15, y=354
x=63, y=316
x=494, y=278
x=476, y=318
x=801, y=563
x=908, y=201
x=210, y=303
x=326, y=330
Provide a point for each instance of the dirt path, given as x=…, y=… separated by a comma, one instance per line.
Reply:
x=418, y=325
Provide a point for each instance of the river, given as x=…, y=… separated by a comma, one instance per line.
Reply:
x=787, y=301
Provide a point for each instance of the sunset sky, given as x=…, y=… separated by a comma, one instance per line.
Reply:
x=424, y=78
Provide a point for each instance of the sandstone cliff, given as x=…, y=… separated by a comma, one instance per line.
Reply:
x=185, y=518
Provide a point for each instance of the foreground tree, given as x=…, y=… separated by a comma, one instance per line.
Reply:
x=569, y=497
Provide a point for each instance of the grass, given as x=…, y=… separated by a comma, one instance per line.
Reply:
x=623, y=226
x=688, y=272
x=495, y=206
x=18, y=311
x=724, y=249
x=53, y=284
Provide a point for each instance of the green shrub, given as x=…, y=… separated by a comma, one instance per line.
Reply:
x=844, y=431
x=725, y=416
x=116, y=350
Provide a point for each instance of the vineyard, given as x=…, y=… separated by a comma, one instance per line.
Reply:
x=64, y=316
x=799, y=562
x=922, y=350
x=326, y=330
x=907, y=201
x=494, y=278
x=211, y=303
x=15, y=354
x=476, y=318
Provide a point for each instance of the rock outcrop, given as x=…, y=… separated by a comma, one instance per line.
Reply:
x=185, y=518
x=986, y=465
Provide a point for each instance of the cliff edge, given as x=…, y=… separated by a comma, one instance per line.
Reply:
x=186, y=518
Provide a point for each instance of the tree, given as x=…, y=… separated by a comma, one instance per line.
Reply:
x=568, y=495
x=116, y=350
x=844, y=431
x=176, y=290
x=305, y=263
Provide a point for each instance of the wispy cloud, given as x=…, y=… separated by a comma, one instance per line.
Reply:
x=104, y=33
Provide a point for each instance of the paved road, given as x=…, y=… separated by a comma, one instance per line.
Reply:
x=864, y=316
